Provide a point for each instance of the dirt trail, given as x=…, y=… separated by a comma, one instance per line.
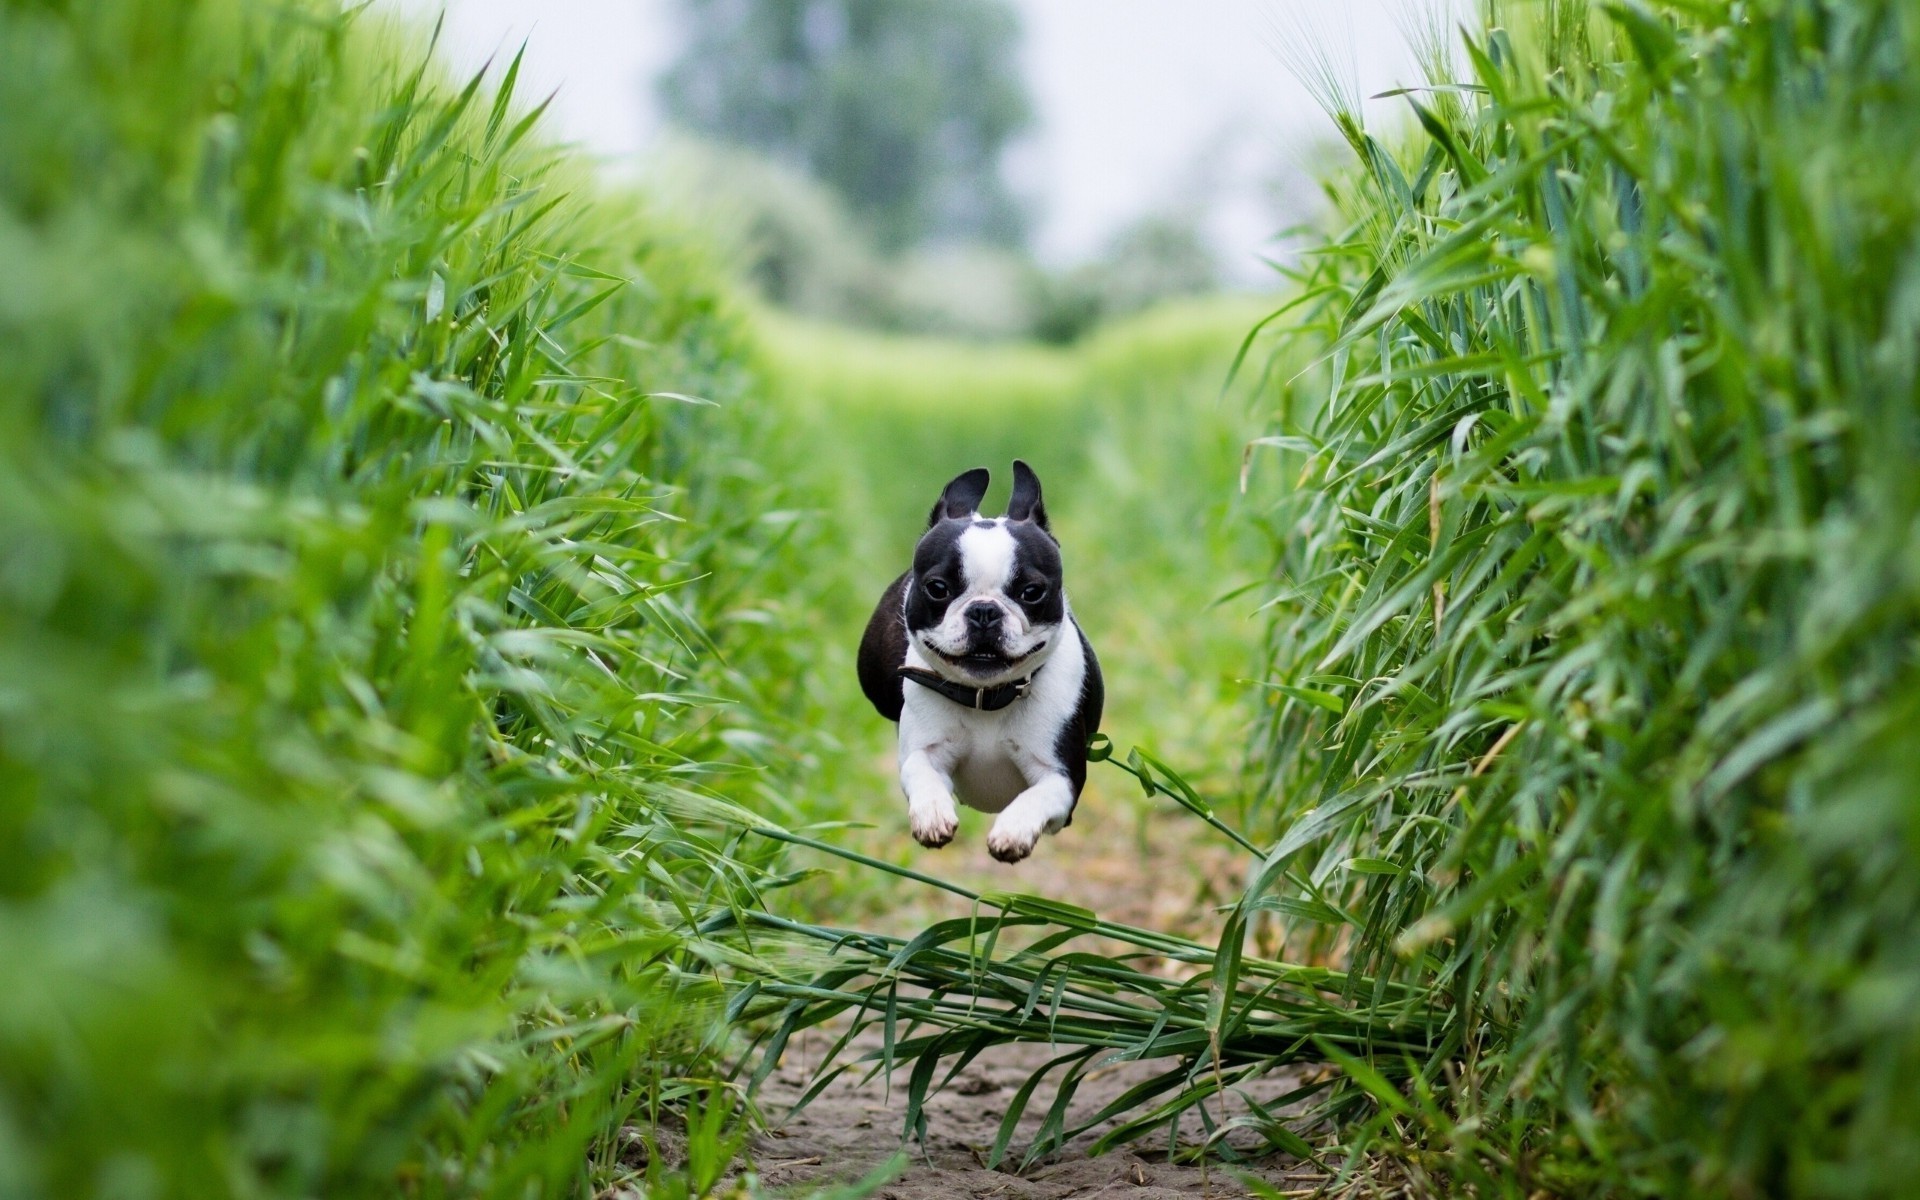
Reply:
x=853, y=1127
x=1155, y=867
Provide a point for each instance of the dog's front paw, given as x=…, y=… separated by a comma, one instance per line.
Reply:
x=933, y=824
x=1012, y=837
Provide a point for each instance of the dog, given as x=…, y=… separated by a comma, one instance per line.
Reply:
x=976, y=655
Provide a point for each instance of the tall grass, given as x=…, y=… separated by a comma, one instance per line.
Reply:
x=1587, y=758
x=378, y=573
x=373, y=560
x=1593, y=675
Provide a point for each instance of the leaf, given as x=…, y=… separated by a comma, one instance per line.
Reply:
x=1374, y=866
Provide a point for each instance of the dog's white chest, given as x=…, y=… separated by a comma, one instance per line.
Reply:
x=988, y=776
x=984, y=754
x=991, y=757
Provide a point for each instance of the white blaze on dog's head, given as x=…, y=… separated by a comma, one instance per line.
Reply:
x=985, y=601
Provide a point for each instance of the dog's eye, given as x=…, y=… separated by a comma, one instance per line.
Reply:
x=937, y=589
x=1033, y=593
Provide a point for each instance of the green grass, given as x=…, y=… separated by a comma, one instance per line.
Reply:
x=1593, y=670
x=372, y=583
x=413, y=691
x=1586, y=755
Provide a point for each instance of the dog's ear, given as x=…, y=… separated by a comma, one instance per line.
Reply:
x=962, y=497
x=1025, y=505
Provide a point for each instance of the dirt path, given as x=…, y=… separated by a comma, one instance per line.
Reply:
x=853, y=1127
x=1138, y=862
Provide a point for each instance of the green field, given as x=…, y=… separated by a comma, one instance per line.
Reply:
x=431, y=765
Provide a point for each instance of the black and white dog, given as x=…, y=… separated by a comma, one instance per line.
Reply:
x=975, y=654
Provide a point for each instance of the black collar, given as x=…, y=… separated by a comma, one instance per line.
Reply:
x=983, y=699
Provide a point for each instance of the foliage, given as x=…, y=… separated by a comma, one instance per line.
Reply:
x=1157, y=258
x=1593, y=667
x=374, y=562
x=789, y=237
x=901, y=106
x=795, y=243
x=403, y=664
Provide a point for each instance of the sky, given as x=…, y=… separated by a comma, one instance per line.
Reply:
x=1142, y=105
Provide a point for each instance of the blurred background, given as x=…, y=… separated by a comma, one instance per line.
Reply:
x=1052, y=164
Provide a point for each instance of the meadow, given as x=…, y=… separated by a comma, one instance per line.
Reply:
x=430, y=762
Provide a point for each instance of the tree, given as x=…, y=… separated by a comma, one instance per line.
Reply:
x=1157, y=257
x=901, y=106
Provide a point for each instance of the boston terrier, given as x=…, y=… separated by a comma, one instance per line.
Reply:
x=976, y=655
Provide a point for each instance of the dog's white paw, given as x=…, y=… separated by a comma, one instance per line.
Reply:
x=933, y=824
x=1013, y=836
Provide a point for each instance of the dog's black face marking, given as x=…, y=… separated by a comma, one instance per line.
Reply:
x=1037, y=574
x=938, y=576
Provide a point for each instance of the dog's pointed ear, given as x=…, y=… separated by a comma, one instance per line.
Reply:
x=1026, y=505
x=962, y=497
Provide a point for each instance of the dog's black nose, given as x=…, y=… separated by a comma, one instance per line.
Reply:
x=983, y=615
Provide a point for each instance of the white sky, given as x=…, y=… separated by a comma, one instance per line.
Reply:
x=1141, y=104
